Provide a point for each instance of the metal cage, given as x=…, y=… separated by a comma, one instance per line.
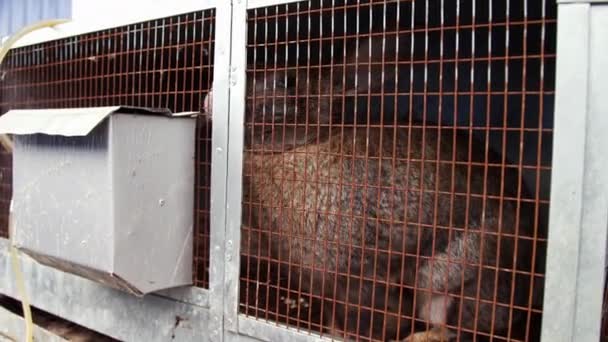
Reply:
x=351, y=146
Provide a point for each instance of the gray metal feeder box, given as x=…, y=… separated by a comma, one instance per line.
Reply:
x=105, y=193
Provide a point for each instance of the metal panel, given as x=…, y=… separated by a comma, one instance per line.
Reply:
x=65, y=122
x=219, y=170
x=32, y=201
x=190, y=295
x=577, y=192
x=567, y=176
x=70, y=183
x=577, y=238
x=235, y=162
x=594, y=225
x=108, y=311
x=274, y=332
x=15, y=14
x=154, y=187
x=13, y=327
x=232, y=337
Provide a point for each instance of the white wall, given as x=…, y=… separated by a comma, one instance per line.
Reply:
x=116, y=12
x=89, y=16
x=14, y=14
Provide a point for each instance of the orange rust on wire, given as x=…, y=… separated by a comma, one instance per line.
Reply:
x=538, y=172
x=278, y=286
x=417, y=267
x=134, y=65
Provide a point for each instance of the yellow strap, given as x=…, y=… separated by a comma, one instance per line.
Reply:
x=4, y=49
x=27, y=312
x=20, y=282
x=8, y=145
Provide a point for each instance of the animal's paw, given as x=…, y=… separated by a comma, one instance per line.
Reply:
x=433, y=335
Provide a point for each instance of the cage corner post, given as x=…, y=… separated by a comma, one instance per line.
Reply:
x=579, y=217
x=219, y=251
x=236, y=108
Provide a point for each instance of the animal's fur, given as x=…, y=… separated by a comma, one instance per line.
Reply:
x=395, y=208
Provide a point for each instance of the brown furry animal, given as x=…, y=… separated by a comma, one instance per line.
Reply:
x=389, y=222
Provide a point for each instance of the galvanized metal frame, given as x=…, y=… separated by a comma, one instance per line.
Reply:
x=579, y=208
x=188, y=313
x=103, y=309
x=579, y=191
x=12, y=326
x=238, y=62
x=219, y=170
x=238, y=325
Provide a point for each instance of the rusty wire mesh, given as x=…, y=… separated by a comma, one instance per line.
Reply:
x=343, y=228
x=160, y=63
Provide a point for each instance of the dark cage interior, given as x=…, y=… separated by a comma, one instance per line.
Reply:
x=397, y=166
x=160, y=63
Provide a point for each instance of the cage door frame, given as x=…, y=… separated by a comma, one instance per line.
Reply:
x=578, y=220
x=239, y=327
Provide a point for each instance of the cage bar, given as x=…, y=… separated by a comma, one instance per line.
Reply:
x=577, y=241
